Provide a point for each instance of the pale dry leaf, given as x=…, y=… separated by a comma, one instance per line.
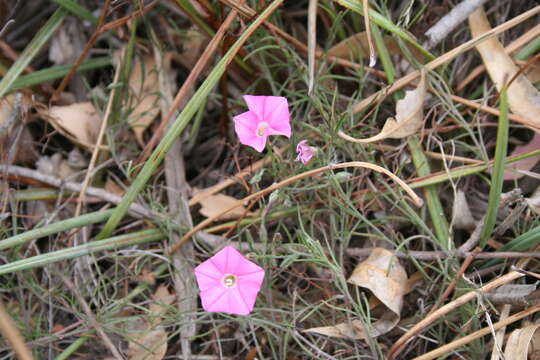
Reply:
x=511, y=294
x=56, y=165
x=80, y=120
x=462, y=217
x=151, y=346
x=409, y=115
x=152, y=343
x=193, y=46
x=523, y=97
x=534, y=201
x=522, y=342
x=61, y=50
x=383, y=275
x=214, y=205
x=356, y=47
x=144, y=85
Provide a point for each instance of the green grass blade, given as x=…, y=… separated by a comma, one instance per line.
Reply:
x=28, y=54
x=78, y=10
x=116, y=242
x=383, y=22
x=57, y=72
x=433, y=202
x=180, y=123
x=497, y=175
x=54, y=228
x=523, y=242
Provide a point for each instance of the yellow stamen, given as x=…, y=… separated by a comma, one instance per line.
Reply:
x=261, y=128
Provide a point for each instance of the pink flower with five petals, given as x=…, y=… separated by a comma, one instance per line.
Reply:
x=267, y=115
x=229, y=282
x=305, y=152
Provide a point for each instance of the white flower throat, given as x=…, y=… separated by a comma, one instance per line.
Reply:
x=228, y=280
x=261, y=128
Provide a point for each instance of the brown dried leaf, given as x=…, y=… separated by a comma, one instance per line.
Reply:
x=81, y=121
x=522, y=342
x=381, y=273
x=515, y=170
x=511, y=294
x=356, y=47
x=152, y=344
x=523, y=97
x=215, y=204
x=144, y=85
x=409, y=115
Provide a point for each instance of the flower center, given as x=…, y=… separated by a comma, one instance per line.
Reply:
x=228, y=280
x=261, y=128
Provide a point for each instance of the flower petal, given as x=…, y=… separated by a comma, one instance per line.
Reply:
x=256, y=104
x=277, y=116
x=245, y=126
x=206, y=282
x=215, y=299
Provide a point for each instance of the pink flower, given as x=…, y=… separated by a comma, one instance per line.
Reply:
x=229, y=282
x=267, y=115
x=305, y=152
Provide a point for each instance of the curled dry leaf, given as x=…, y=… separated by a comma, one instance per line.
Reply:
x=384, y=276
x=214, y=205
x=515, y=294
x=409, y=116
x=523, y=97
x=523, y=343
x=144, y=85
x=80, y=121
x=151, y=344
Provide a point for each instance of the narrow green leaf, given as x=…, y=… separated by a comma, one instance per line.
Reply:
x=54, y=228
x=31, y=50
x=180, y=123
x=497, y=175
x=433, y=202
x=78, y=10
x=116, y=242
x=57, y=72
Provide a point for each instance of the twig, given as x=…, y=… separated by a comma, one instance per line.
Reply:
x=257, y=195
x=430, y=319
x=91, y=318
x=10, y=332
x=450, y=21
x=135, y=210
x=477, y=334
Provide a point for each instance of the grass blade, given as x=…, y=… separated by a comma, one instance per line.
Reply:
x=498, y=171
x=28, y=54
x=116, y=242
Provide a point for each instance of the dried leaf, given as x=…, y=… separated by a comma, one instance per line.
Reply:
x=193, y=46
x=514, y=170
x=152, y=343
x=144, y=85
x=462, y=217
x=81, y=121
x=381, y=273
x=356, y=47
x=511, y=294
x=215, y=204
x=112, y=187
x=409, y=115
x=522, y=342
x=523, y=97
x=151, y=346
